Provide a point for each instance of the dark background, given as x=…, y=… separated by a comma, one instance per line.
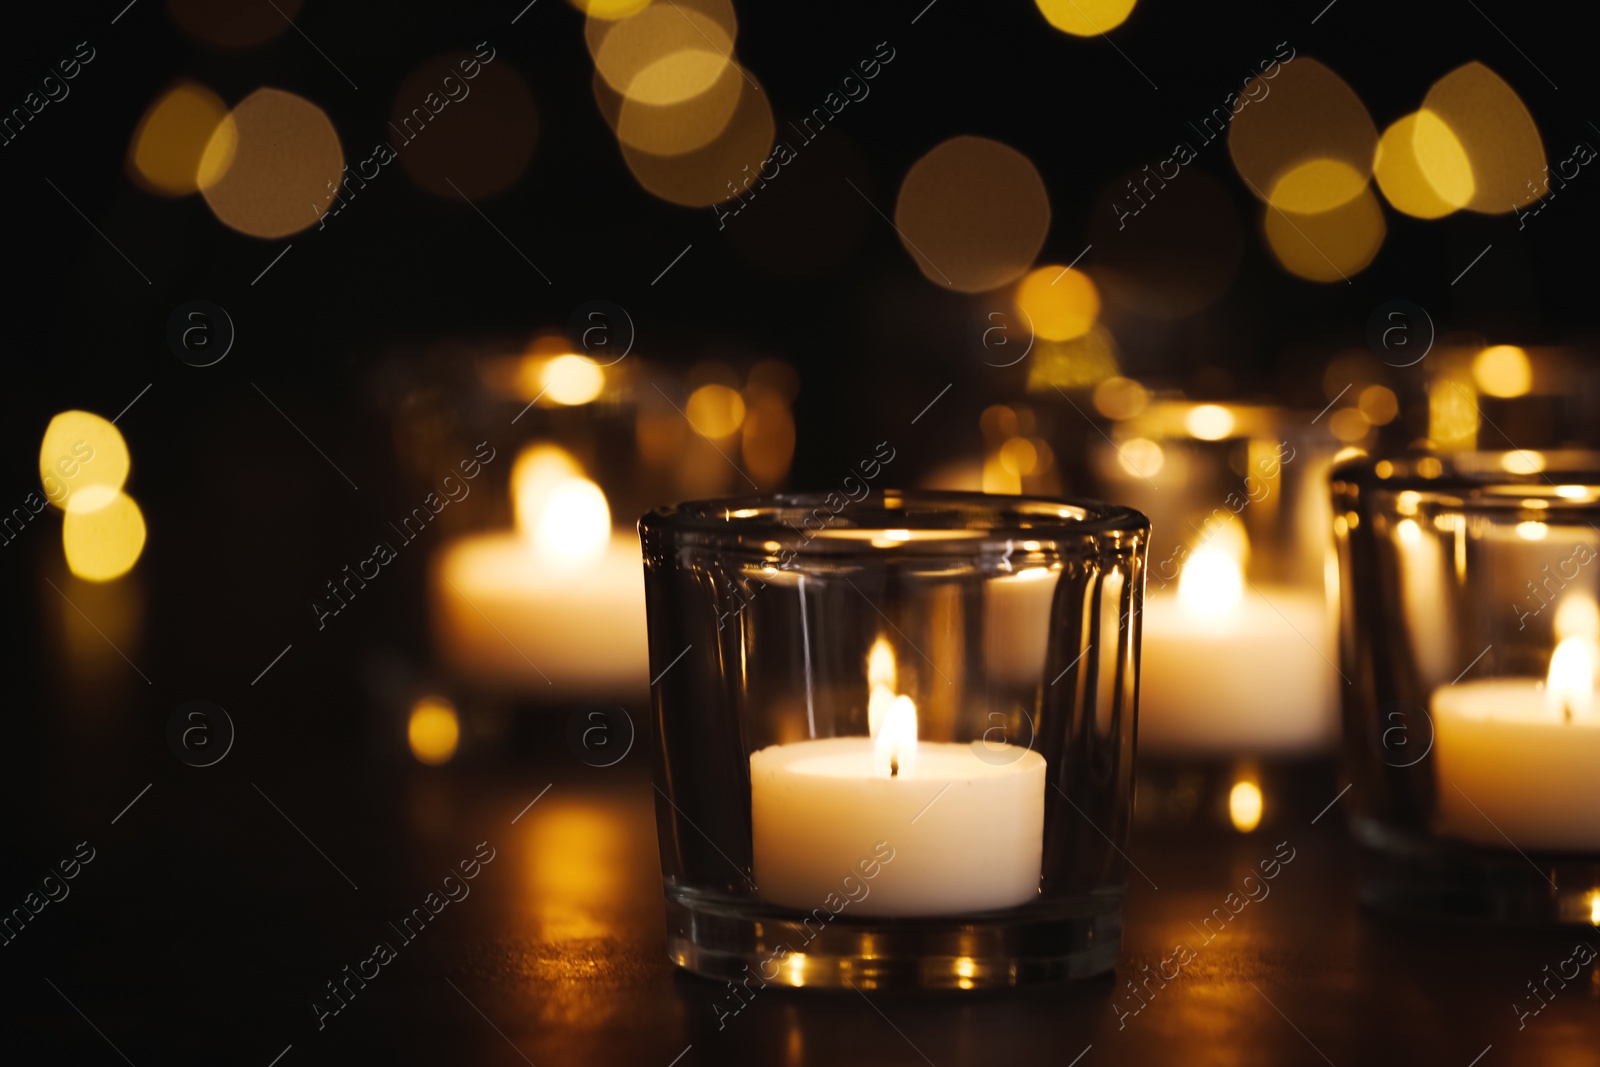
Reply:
x=204, y=925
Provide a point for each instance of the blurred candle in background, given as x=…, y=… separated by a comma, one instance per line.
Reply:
x=554, y=607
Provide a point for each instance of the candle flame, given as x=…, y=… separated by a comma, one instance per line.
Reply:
x=1569, y=687
x=880, y=664
x=1594, y=907
x=564, y=514
x=1212, y=582
x=1578, y=616
x=1244, y=805
x=894, y=747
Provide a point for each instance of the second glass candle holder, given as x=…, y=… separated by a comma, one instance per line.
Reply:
x=894, y=737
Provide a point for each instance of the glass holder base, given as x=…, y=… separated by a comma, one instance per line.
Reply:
x=763, y=945
x=1425, y=876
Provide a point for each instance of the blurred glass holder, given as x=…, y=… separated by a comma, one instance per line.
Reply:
x=1469, y=631
x=1238, y=624
x=894, y=737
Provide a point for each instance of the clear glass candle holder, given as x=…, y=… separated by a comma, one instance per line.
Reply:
x=1470, y=638
x=894, y=734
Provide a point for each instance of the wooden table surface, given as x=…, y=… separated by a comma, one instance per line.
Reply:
x=219, y=904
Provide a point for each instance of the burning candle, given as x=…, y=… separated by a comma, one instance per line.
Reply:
x=1517, y=757
x=965, y=822
x=555, y=606
x=1231, y=668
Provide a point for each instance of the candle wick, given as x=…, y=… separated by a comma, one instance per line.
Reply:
x=1566, y=708
x=894, y=762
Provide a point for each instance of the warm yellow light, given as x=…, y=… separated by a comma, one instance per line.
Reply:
x=1244, y=806
x=715, y=410
x=273, y=166
x=1594, y=907
x=880, y=664
x=1309, y=147
x=538, y=470
x=894, y=746
x=1141, y=457
x=1532, y=531
x=1086, y=18
x=1569, y=686
x=434, y=731
x=1428, y=190
x=1059, y=302
x=1502, y=370
x=610, y=9
x=576, y=523
x=1452, y=418
x=1348, y=424
x=1522, y=461
x=972, y=214
x=1407, y=500
x=1019, y=456
x=630, y=52
x=1120, y=398
x=1331, y=245
x=83, y=461
x=104, y=543
x=1484, y=149
x=1578, y=616
x=1317, y=185
x=896, y=535
x=1409, y=533
x=1212, y=582
x=572, y=380
x=1378, y=404
x=1209, y=422
x=172, y=136
x=1572, y=492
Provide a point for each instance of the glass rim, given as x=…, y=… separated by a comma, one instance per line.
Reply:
x=912, y=521
x=1488, y=478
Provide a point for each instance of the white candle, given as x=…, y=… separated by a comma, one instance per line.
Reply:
x=555, y=608
x=1519, y=758
x=1016, y=624
x=503, y=614
x=1225, y=668
x=964, y=823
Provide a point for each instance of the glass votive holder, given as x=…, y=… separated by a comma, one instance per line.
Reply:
x=1238, y=622
x=1469, y=632
x=894, y=734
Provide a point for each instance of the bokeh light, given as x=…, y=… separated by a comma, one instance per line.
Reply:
x=164, y=155
x=1244, y=805
x=715, y=411
x=1503, y=371
x=737, y=163
x=1061, y=303
x=572, y=380
x=1428, y=191
x=433, y=731
x=673, y=128
x=103, y=543
x=666, y=53
x=576, y=522
x=83, y=461
x=1378, y=404
x=1075, y=364
x=610, y=9
x=1488, y=121
x=272, y=165
x=768, y=439
x=1209, y=422
x=539, y=469
x=1329, y=246
x=1120, y=398
x=973, y=214
x=1311, y=148
x=478, y=133
x=1086, y=18
x=233, y=27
